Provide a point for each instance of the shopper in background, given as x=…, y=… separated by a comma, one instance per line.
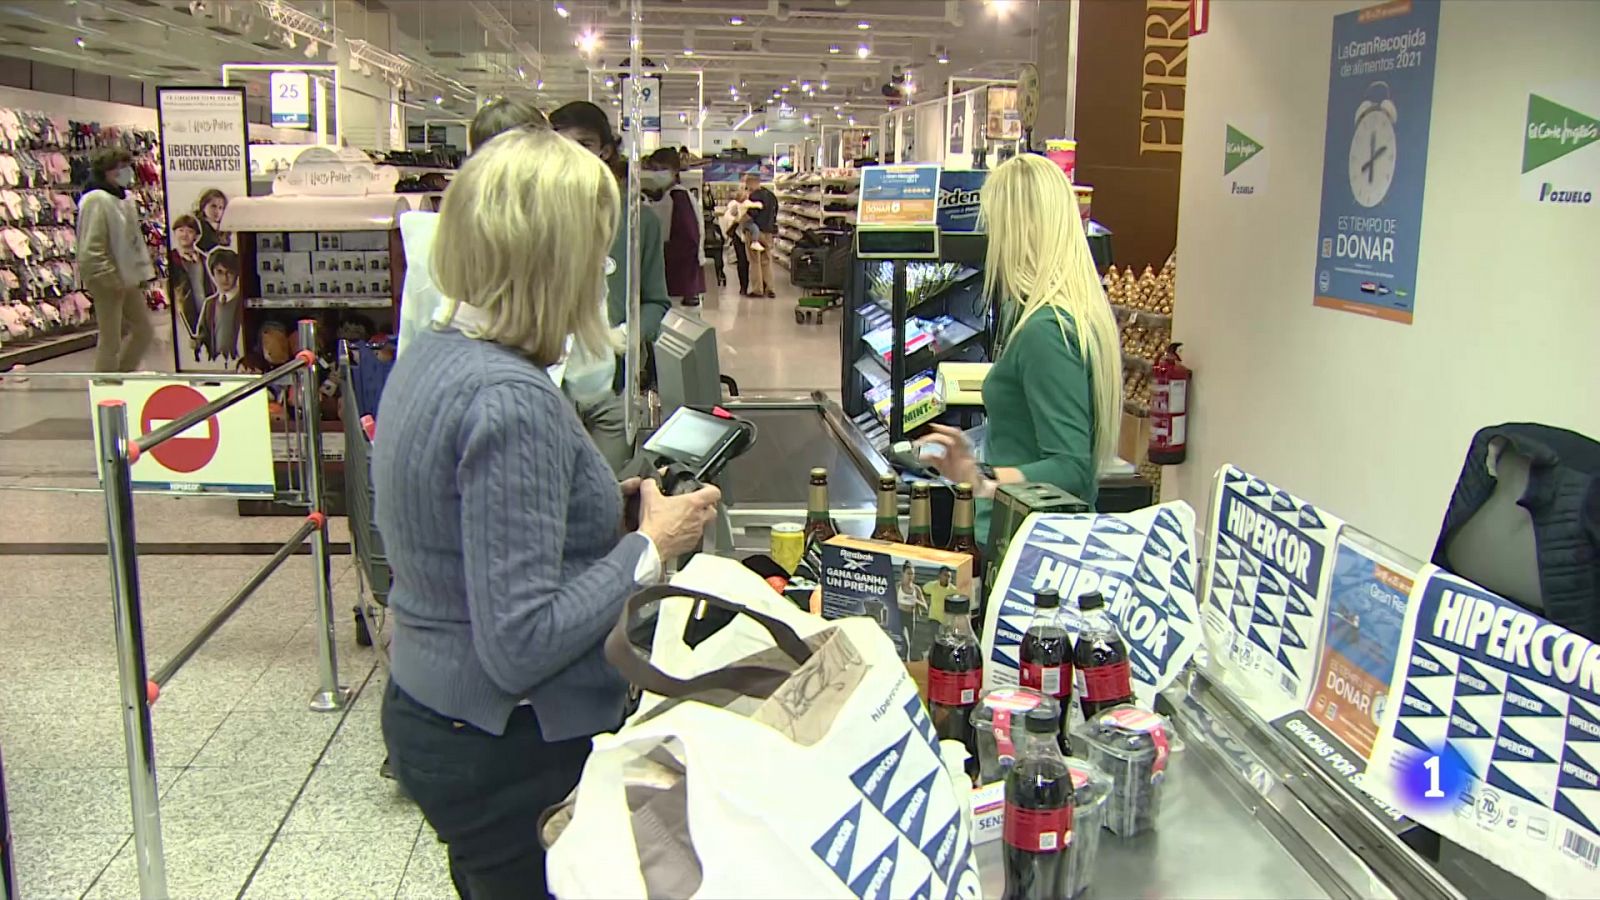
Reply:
x=114, y=262
x=686, y=275
x=1054, y=396
x=731, y=219
x=587, y=124
x=766, y=219
x=419, y=296
x=503, y=524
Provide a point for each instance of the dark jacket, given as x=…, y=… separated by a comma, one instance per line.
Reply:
x=766, y=218
x=1562, y=500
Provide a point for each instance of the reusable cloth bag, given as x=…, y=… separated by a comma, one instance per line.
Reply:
x=784, y=756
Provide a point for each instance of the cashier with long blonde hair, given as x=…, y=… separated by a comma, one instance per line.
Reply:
x=1054, y=396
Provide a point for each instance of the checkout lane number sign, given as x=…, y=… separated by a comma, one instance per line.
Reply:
x=291, y=99
x=229, y=453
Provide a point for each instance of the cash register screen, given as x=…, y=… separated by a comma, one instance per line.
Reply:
x=688, y=435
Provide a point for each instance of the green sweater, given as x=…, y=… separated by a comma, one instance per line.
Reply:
x=653, y=300
x=1040, y=404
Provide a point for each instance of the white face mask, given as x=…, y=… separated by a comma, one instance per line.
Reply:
x=655, y=180
x=122, y=177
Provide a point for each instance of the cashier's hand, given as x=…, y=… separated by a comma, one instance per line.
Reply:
x=676, y=524
x=960, y=463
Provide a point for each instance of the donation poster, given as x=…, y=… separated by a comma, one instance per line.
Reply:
x=1494, y=738
x=205, y=163
x=1142, y=562
x=1366, y=607
x=1375, y=158
x=1265, y=597
x=899, y=195
x=1561, y=145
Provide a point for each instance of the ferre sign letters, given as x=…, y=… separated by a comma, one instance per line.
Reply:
x=1164, y=77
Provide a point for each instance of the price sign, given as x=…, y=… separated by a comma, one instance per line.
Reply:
x=291, y=99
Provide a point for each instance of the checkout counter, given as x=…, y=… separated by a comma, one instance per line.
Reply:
x=1245, y=812
x=797, y=434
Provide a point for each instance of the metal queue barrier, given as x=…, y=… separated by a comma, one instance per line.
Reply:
x=116, y=453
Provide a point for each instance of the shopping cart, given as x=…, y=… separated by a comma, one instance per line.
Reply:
x=364, y=368
x=819, y=264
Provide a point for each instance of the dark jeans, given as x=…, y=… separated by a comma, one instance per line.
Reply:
x=741, y=256
x=482, y=794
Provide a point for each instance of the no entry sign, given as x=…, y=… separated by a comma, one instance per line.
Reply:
x=191, y=450
x=228, y=453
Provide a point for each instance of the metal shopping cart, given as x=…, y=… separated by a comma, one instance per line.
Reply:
x=364, y=367
x=819, y=263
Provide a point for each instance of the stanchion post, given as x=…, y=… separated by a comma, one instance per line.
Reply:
x=330, y=695
x=117, y=485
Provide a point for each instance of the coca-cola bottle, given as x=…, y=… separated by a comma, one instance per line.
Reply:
x=1046, y=651
x=955, y=676
x=1102, y=657
x=1038, y=816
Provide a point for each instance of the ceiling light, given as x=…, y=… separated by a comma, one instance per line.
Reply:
x=823, y=85
x=588, y=42
x=833, y=48
x=863, y=51
x=522, y=73
x=944, y=57
x=539, y=85
x=610, y=82
x=78, y=41
x=805, y=119
x=688, y=51
x=805, y=85
x=786, y=89
x=683, y=118
x=1001, y=8
x=438, y=99
x=736, y=20
x=852, y=120
x=863, y=25
x=562, y=11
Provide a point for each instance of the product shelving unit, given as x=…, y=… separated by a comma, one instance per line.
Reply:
x=279, y=224
x=811, y=200
x=902, y=318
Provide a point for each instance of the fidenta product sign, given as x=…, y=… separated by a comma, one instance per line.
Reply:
x=1560, y=162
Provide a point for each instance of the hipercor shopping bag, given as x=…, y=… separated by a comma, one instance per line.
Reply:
x=807, y=768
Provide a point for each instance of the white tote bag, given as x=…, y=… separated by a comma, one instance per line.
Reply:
x=804, y=768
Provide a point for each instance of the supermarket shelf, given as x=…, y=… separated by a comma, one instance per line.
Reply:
x=26, y=351
x=319, y=303
x=872, y=369
x=1135, y=409
x=1129, y=361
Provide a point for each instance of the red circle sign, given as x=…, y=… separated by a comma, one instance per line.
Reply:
x=191, y=450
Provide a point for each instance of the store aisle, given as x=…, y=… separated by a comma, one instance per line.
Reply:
x=261, y=798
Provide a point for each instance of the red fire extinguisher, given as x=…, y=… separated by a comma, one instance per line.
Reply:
x=1169, y=408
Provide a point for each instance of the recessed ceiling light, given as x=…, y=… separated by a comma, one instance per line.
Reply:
x=944, y=58
x=863, y=24
x=833, y=48
x=823, y=85
x=562, y=11
x=588, y=42
x=736, y=20
x=610, y=82
x=539, y=85
x=79, y=42
x=521, y=72
x=863, y=51
x=837, y=107
x=688, y=51
x=438, y=100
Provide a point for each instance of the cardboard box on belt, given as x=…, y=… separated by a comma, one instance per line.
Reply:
x=901, y=586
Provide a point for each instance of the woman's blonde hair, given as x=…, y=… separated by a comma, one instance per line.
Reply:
x=1038, y=260
x=523, y=236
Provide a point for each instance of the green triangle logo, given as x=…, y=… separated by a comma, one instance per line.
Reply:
x=1553, y=131
x=1239, y=149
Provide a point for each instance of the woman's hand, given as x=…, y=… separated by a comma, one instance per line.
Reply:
x=676, y=524
x=960, y=462
x=630, y=503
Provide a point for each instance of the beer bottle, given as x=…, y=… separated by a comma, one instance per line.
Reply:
x=921, y=517
x=964, y=539
x=888, y=528
x=819, y=522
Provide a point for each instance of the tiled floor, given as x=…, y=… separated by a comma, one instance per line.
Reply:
x=260, y=797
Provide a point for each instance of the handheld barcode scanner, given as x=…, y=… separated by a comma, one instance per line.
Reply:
x=692, y=448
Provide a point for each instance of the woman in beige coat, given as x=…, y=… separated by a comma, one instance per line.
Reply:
x=113, y=261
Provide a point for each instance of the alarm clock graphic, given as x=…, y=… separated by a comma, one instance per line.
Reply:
x=1373, y=147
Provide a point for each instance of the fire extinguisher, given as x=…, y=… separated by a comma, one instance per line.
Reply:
x=1169, y=408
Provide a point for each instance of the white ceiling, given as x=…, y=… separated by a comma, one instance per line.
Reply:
x=455, y=48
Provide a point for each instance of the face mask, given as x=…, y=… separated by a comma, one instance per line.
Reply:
x=122, y=178
x=655, y=180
